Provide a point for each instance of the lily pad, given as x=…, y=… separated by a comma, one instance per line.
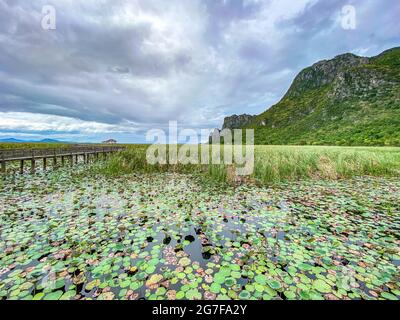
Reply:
x=322, y=286
x=56, y=295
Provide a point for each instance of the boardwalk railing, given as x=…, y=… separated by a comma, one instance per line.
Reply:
x=9, y=155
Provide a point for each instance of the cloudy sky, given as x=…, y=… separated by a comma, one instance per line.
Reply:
x=116, y=68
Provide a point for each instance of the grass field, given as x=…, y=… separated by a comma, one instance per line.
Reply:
x=276, y=163
x=272, y=163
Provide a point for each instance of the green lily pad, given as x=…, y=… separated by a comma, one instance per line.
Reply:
x=261, y=279
x=274, y=284
x=388, y=296
x=215, y=288
x=68, y=295
x=244, y=295
x=322, y=286
x=229, y=282
x=56, y=295
x=193, y=294
x=184, y=262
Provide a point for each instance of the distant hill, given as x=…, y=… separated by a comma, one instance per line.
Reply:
x=13, y=140
x=349, y=100
x=51, y=141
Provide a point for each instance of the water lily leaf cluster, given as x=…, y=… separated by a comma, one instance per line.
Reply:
x=171, y=236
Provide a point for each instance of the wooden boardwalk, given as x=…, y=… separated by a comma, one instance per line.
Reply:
x=72, y=153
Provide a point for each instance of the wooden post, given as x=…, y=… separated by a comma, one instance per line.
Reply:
x=44, y=163
x=33, y=167
x=55, y=159
x=3, y=165
x=21, y=168
x=72, y=160
x=76, y=159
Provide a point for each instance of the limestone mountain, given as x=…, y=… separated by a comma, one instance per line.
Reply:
x=349, y=100
x=237, y=122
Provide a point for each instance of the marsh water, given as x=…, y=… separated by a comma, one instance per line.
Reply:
x=173, y=236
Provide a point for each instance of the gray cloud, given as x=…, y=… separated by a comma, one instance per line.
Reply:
x=142, y=63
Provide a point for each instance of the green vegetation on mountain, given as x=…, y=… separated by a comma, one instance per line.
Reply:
x=348, y=100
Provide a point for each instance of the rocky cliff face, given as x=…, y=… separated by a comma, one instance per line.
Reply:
x=237, y=122
x=323, y=73
x=348, y=100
